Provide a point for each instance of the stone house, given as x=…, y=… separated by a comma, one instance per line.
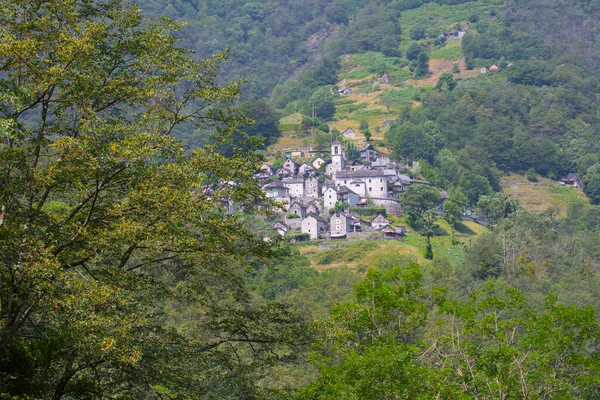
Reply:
x=380, y=222
x=340, y=224
x=312, y=208
x=356, y=164
x=330, y=197
x=276, y=189
x=291, y=166
x=314, y=226
x=295, y=207
x=280, y=227
x=345, y=194
x=295, y=185
x=312, y=186
x=368, y=153
x=349, y=133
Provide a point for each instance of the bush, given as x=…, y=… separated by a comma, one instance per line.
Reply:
x=531, y=175
x=368, y=211
x=292, y=216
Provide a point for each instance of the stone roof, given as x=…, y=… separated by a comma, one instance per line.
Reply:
x=293, y=180
x=318, y=218
x=360, y=173
x=274, y=184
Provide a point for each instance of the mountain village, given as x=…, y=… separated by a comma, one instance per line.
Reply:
x=324, y=199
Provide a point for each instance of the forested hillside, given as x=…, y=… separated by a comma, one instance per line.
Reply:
x=138, y=253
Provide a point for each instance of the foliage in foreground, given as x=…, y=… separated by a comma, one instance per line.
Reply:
x=120, y=270
x=398, y=339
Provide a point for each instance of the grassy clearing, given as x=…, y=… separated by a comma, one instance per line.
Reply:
x=438, y=18
x=357, y=253
x=539, y=196
x=356, y=74
x=395, y=98
x=452, y=51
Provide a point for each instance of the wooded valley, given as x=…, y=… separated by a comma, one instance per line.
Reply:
x=149, y=247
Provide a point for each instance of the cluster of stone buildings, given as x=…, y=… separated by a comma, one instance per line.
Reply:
x=310, y=192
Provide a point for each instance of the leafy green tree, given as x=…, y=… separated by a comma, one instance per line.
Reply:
x=322, y=100
x=120, y=267
x=591, y=183
x=445, y=82
x=418, y=200
x=367, y=134
x=266, y=120
x=422, y=65
x=413, y=51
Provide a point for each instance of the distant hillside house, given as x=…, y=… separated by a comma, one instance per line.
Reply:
x=304, y=169
x=384, y=78
x=340, y=224
x=483, y=70
x=314, y=226
x=349, y=133
x=494, y=68
x=380, y=222
x=312, y=208
x=375, y=182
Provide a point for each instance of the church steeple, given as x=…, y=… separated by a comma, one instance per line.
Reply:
x=337, y=157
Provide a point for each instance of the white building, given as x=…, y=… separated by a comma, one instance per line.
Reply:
x=330, y=197
x=375, y=182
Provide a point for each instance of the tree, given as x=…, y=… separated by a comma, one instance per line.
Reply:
x=367, y=134
x=422, y=65
x=418, y=200
x=591, y=183
x=266, y=120
x=110, y=230
x=322, y=100
x=413, y=51
x=446, y=82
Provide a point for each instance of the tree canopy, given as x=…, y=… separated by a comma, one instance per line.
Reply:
x=107, y=223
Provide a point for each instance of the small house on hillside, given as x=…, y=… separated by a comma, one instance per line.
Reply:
x=380, y=222
x=349, y=133
x=384, y=78
x=571, y=179
x=483, y=70
x=494, y=67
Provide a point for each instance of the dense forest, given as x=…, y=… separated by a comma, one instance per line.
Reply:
x=126, y=136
